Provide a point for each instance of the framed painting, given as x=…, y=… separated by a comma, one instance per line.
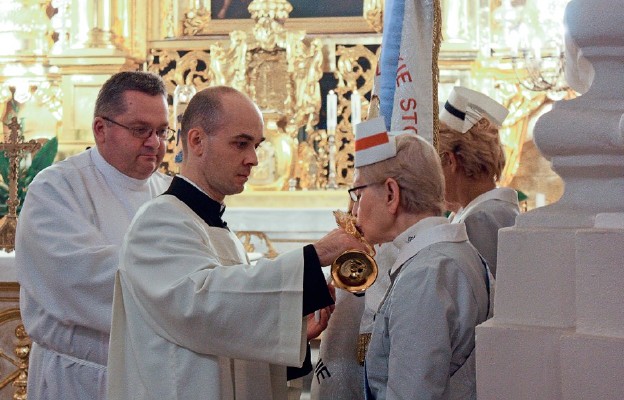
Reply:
x=317, y=16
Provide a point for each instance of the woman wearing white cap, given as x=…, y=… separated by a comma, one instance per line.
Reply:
x=423, y=340
x=473, y=160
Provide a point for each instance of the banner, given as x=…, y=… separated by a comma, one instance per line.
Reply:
x=407, y=72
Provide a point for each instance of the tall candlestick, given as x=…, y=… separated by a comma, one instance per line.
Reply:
x=356, y=109
x=331, y=173
x=332, y=105
x=332, y=123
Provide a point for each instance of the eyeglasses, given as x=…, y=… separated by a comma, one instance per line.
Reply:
x=144, y=132
x=355, y=197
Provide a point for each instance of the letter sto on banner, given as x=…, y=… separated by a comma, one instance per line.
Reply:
x=407, y=73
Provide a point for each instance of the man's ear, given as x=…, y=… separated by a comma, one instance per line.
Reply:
x=393, y=195
x=194, y=140
x=98, y=130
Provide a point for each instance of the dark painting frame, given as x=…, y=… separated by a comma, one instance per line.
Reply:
x=312, y=16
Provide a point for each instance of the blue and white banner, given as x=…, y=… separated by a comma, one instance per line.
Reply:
x=405, y=81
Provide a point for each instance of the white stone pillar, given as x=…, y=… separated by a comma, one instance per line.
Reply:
x=558, y=326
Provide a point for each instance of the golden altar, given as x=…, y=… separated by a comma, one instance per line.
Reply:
x=286, y=56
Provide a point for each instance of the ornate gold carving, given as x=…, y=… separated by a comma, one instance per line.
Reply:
x=371, y=20
x=228, y=67
x=196, y=21
x=250, y=238
x=276, y=156
x=169, y=18
x=19, y=376
x=308, y=168
x=355, y=69
x=182, y=67
x=14, y=147
x=373, y=13
x=270, y=16
x=279, y=70
x=13, y=368
x=307, y=74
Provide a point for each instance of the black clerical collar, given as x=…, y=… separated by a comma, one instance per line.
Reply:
x=206, y=208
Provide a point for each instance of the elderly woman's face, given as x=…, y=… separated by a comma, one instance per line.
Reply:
x=368, y=209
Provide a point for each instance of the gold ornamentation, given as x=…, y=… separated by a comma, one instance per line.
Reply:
x=373, y=13
x=270, y=16
x=228, y=67
x=276, y=157
x=196, y=21
x=278, y=69
x=168, y=16
x=14, y=147
x=354, y=270
x=182, y=69
x=436, y=38
x=355, y=69
x=362, y=347
x=346, y=221
x=247, y=238
x=371, y=20
x=18, y=377
x=307, y=168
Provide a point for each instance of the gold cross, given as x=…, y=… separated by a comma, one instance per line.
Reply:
x=14, y=147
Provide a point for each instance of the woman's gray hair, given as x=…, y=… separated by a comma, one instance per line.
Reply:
x=417, y=169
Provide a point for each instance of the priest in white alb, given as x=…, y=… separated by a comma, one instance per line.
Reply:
x=191, y=318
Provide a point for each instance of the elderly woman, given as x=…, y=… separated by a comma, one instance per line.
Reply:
x=473, y=160
x=423, y=340
x=339, y=372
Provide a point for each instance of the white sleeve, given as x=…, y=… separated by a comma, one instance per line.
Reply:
x=192, y=289
x=64, y=263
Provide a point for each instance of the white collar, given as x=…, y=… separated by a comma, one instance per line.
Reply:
x=425, y=233
x=113, y=175
x=507, y=195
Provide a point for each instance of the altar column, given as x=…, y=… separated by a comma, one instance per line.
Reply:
x=558, y=330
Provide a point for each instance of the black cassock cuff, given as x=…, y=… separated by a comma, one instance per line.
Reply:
x=315, y=296
x=306, y=368
x=315, y=292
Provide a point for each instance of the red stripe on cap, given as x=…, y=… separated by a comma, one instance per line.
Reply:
x=371, y=141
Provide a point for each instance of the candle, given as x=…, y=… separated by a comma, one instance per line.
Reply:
x=540, y=200
x=332, y=105
x=537, y=49
x=356, y=108
x=514, y=43
x=332, y=122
